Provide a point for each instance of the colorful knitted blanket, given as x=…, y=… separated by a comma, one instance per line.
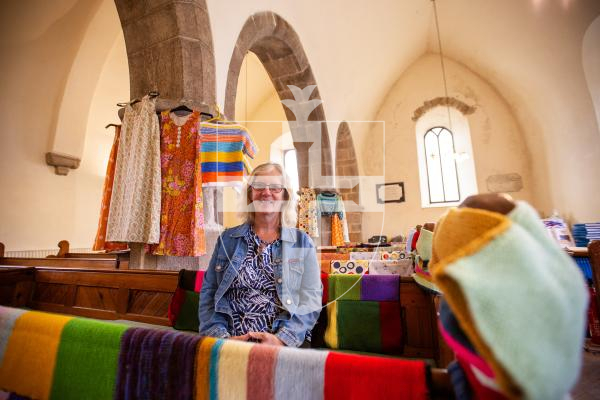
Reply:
x=519, y=298
x=52, y=356
x=364, y=314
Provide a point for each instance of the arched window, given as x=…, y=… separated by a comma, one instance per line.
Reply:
x=442, y=176
x=290, y=165
x=283, y=152
x=446, y=167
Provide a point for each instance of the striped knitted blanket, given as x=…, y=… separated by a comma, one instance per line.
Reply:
x=364, y=314
x=52, y=356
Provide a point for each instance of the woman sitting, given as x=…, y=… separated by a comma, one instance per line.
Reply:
x=263, y=281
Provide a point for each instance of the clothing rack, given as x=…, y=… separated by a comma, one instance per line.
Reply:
x=163, y=104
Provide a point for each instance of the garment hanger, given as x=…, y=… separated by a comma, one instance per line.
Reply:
x=109, y=125
x=219, y=117
x=181, y=110
x=151, y=95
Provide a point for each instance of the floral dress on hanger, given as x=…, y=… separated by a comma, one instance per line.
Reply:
x=182, y=209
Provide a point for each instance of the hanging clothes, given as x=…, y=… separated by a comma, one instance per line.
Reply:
x=182, y=208
x=100, y=242
x=337, y=238
x=329, y=204
x=344, y=223
x=308, y=220
x=223, y=153
x=135, y=205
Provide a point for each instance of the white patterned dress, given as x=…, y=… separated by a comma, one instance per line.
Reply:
x=135, y=205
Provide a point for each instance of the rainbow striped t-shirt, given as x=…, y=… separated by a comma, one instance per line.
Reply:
x=223, y=153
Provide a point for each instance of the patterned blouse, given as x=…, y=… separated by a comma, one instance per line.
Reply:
x=253, y=294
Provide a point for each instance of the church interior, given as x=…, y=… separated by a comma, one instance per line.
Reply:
x=441, y=154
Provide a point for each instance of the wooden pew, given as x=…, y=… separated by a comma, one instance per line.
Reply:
x=92, y=261
x=145, y=295
x=122, y=257
x=16, y=286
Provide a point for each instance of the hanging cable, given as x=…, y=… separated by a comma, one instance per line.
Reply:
x=246, y=105
x=439, y=38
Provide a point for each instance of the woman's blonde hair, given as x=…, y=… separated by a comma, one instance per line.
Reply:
x=288, y=210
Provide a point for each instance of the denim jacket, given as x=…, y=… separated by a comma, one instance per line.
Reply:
x=297, y=277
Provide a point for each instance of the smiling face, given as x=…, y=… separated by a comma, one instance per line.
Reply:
x=265, y=199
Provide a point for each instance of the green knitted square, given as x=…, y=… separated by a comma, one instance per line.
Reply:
x=87, y=360
x=359, y=326
x=344, y=287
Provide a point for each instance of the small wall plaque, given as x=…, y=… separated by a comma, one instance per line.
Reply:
x=390, y=192
x=504, y=183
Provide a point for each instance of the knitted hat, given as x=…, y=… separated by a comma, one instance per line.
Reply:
x=518, y=297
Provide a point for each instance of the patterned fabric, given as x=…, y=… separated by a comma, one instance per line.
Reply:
x=222, y=153
x=307, y=212
x=100, y=243
x=337, y=236
x=182, y=209
x=135, y=205
x=253, y=295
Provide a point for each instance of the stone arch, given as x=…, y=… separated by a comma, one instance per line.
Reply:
x=170, y=49
x=346, y=166
x=279, y=49
x=443, y=101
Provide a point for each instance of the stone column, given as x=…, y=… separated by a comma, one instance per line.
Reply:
x=170, y=50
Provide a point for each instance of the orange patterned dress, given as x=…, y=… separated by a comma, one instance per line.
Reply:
x=100, y=243
x=182, y=213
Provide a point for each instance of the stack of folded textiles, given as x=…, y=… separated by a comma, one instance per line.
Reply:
x=52, y=356
x=585, y=233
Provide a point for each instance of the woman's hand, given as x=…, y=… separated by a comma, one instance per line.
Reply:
x=242, y=338
x=266, y=338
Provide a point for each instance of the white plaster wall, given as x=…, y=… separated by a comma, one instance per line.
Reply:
x=39, y=208
x=498, y=143
x=591, y=64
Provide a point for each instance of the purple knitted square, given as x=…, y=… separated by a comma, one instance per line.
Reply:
x=380, y=288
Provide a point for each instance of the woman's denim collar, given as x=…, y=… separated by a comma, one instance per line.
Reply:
x=287, y=234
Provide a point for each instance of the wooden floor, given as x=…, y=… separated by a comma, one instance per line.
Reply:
x=588, y=386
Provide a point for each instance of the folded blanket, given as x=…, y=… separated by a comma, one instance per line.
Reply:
x=299, y=374
x=364, y=313
x=363, y=287
x=30, y=356
x=87, y=360
x=233, y=367
x=349, y=376
x=8, y=316
x=518, y=297
x=261, y=372
x=156, y=364
x=203, y=356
